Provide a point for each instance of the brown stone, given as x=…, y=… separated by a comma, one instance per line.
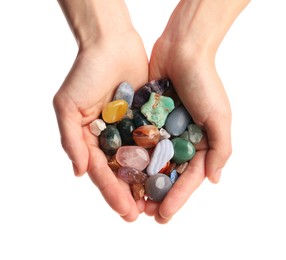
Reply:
x=138, y=191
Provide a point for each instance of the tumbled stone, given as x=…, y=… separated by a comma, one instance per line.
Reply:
x=183, y=150
x=141, y=96
x=133, y=156
x=182, y=167
x=164, y=134
x=146, y=136
x=128, y=114
x=195, y=133
x=165, y=168
x=97, y=126
x=114, y=111
x=163, y=153
x=185, y=135
x=178, y=121
x=159, y=86
x=110, y=140
x=139, y=119
x=157, y=187
x=171, y=167
x=138, y=191
x=126, y=128
x=171, y=92
x=157, y=109
x=131, y=175
x=113, y=164
x=124, y=92
x=174, y=176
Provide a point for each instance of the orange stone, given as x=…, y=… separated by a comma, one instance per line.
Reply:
x=146, y=136
x=114, y=111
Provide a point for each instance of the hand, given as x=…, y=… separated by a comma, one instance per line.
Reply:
x=98, y=69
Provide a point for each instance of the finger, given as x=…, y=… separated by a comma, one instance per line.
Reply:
x=151, y=207
x=218, y=129
x=183, y=188
x=116, y=193
x=69, y=122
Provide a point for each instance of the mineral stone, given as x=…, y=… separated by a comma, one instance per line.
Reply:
x=159, y=86
x=110, y=140
x=133, y=156
x=114, y=111
x=183, y=150
x=163, y=153
x=146, y=136
x=178, y=121
x=157, y=109
x=97, y=126
x=174, y=176
x=195, y=133
x=182, y=167
x=164, y=134
x=113, y=164
x=131, y=175
x=126, y=128
x=141, y=96
x=124, y=92
x=138, y=191
x=157, y=187
x=139, y=119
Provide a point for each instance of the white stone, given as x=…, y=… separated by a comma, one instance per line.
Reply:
x=97, y=126
x=164, y=134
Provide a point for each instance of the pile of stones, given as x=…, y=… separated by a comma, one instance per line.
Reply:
x=148, y=137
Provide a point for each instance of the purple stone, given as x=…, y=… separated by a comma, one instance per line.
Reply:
x=131, y=175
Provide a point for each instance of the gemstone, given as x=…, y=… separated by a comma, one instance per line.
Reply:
x=164, y=134
x=185, y=135
x=124, y=92
x=141, y=96
x=114, y=111
x=131, y=175
x=133, y=156
x=171, y=167
x=110, y=140
x=174, y=176
x=146, y=136
x=171, y=92
x=157, y=187
x=159, y=86
x=139, y=119
x=183, y=150
x=195, y=133
x=163, y=153
x=165, y=168
x=126, y=128
x=129, y=114
x=182, y=167
x=157, y=109
x=97, y=126
x=138, y=191
x=113, y=164
x=178, y=121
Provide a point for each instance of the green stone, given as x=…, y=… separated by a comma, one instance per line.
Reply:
x=183, y=150
x=110, y=140
x=157, y=109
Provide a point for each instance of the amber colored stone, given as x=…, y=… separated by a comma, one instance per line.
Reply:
x=138, y=191
x=165, y=168
x=114, y=111
x=131, y=175
x=146, y=136
x=171, y=167
x=113, y=164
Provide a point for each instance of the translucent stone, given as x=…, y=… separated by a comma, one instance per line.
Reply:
x=195, y=133
x=157, y=109
x=133, y=156
x=165, y=168
x=131, y=175
x=110, y=140
x=178, y=121
x=146, y=136
x=163, y=153
x=114, y=111
x=124, y=92
x=164, y=134
x=97, y=126
x=157, y=186
x=138, y=191
x=183, y=150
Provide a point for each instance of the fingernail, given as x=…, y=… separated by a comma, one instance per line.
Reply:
x=216, y=176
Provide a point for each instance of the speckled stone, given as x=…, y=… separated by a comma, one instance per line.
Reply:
x=195, y=133
x=126, y=128
x=113, y=164
x=146, y=136
x=178, y=121
x=126, y=92
x=183, y=150
x=131, y=175
x=163, y=153
x=157, y=109
x=138, y=191
x=110, y=140
x=157, y=186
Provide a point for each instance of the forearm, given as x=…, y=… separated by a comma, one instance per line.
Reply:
x=203, y=23
x=91, y=19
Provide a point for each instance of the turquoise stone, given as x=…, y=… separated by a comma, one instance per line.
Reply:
x=157, y=109
x=126, y=128
x=183, y=150
x=124, y=92
x=110, y=140
x=178, y=121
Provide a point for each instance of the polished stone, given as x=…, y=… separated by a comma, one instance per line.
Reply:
x=157, y=187
x=114, y=111
x=110, y=140
x=133, y=156
x=141, y=96
x=126, y=128
x=124, y=92
x=146, y=136
x=183, y=150
x=138, y=191
x=139, y=119
x=178, y=121
x=157, y=109
x=182, y=167
x=164, y=134
x=195, y=133
x=131, y=175
x=113, y=164
x=174, y=176
x=97, y=126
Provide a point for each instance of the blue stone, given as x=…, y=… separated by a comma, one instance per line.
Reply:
x=124, y=92
x=174, y=176
x=177, y=121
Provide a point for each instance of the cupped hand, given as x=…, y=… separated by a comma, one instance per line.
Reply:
x=98, y=69
x=198, y=85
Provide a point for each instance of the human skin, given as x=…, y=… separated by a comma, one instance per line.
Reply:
x=185, y=53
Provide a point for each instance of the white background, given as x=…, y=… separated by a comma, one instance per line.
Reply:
x=47, y=213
